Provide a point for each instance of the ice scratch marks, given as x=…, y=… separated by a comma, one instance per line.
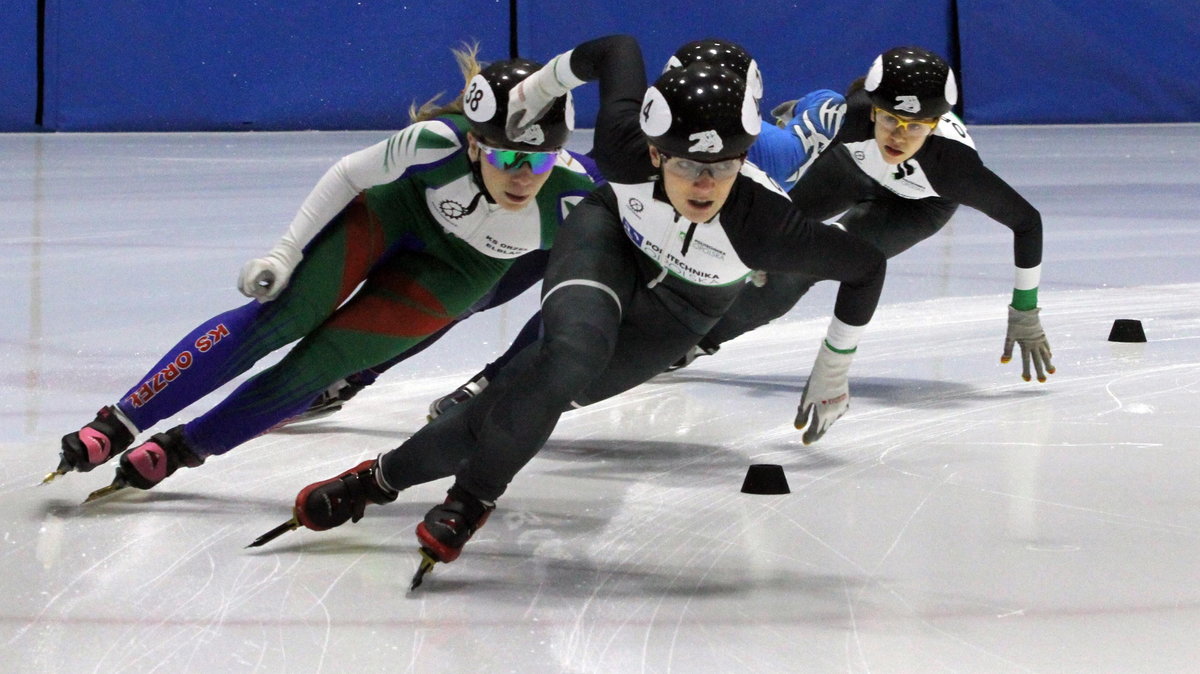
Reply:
x=321, y=604
x=853, y=638
x=1153, y=387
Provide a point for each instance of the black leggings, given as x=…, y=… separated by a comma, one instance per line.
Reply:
x=605, y=331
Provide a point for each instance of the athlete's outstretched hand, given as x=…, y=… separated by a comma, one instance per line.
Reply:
x=826, y=395
x=1025, y=330
x=263, y=278
x=531, y=98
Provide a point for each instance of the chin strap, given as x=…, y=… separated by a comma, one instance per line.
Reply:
x=477, y=175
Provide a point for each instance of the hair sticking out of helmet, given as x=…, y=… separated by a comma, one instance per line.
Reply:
x=912, y=82
x=702, y=112
x=485, y=103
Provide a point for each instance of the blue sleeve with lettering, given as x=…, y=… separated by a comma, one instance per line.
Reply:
x=778, y=152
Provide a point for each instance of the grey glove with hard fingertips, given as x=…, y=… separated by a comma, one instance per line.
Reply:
x=1025, y=331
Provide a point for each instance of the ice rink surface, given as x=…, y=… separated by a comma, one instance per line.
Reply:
x=957, y=519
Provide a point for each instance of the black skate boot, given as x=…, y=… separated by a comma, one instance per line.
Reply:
x=330, y=503
x=102, y=439
x=459, y=395
x=449, y=526
x=151, y=462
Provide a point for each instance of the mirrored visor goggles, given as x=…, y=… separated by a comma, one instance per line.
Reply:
x=690, y=169
x=513, y=160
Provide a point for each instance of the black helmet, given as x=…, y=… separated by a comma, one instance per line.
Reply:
x=912, y=82
x=485, y=103
x=701, y=112
x=723, y=53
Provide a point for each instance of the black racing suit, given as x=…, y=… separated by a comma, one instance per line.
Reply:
x=892, y=208
x=617, y=307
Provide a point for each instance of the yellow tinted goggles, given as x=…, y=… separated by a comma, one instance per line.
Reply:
x=914, y=127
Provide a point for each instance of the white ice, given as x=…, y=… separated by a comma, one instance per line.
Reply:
x=957, y=519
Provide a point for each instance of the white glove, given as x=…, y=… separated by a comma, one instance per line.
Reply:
x=263, y=278
x=1025, y=329
x=826, y=395
x=533, y=96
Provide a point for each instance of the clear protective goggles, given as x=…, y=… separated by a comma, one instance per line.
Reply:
x=512, y=160
x=918, y=128
x=691, y=169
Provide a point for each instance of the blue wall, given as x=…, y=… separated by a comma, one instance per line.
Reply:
x=117, y=65
x=797, y=51
x=18, y=66
x=240, y=64
x=1081, y=61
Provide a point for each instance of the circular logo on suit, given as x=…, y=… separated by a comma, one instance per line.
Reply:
x=452, y=209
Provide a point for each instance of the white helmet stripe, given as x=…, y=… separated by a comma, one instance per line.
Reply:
x=951, y=88
x=875, y=74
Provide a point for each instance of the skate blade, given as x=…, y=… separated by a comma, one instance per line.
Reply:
x=63, y=468
x=312, y=416
x=426, y=565
x=290, y=525
x=104, y=491
x=299, y=419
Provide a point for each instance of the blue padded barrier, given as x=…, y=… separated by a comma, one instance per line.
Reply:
x=267, y=65
x=18, y=66
x=1080, y=61
x=799, y=46
x=117, y=65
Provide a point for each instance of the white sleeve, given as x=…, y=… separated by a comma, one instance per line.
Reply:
x=381, y=163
